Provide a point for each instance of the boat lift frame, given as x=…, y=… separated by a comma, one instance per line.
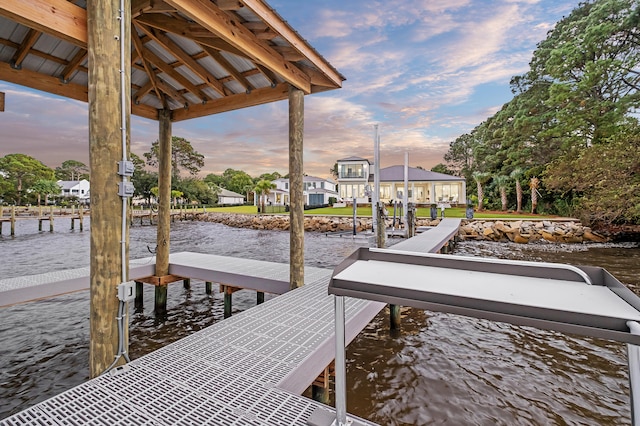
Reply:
x=583, y=300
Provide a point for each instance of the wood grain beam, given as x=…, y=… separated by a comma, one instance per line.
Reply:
x=43, y=82
x=138, y=47
x=59, y=18
x=233, y=102
x=222, y=61
x=230, y=4
x=275, y=22
x=231, y=30
x=73, y=65
x=191, y=31
x=168, y=69
x=182, y=56
x=23, y=50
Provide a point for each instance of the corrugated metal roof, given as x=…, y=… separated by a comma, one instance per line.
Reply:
x=228, y=60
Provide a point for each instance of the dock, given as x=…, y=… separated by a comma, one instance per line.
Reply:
x=249, y=369
x=246, y=370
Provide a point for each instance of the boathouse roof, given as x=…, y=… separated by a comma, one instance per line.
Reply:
x=195, y=58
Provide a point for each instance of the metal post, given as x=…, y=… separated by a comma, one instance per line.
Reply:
x=633, y=352
x=355, y=208
x=405, y=192
x=341, y=367
x=376, y=177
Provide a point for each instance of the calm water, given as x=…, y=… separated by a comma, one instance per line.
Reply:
x=439, y=369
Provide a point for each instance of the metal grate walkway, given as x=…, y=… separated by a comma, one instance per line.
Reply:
x=245, y=370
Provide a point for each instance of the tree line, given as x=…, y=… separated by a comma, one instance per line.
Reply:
x=26, y=180
x=569, y=139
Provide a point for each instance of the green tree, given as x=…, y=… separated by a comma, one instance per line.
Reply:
x=442, y=168
x=334, y=170
x=72, y=170
x=516, y=175
x=264, y=188
x=183, y=156
x=235, y=180
x=269, y=176
x=196, y=190
x=45, y=187
x=481, y=178
x=23, y=171
x=501, y=182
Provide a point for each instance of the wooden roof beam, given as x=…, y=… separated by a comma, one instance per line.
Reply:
x=23, y=50
x=59, y=18
x=230, y=4
x=275, y=22
x=233, y=102
x=191, y=31
x=171, y=91
x=221, y=60
x=183, y=57
x=138, y=7
x=226, y=27
x=138, y=47
x=168, y=69
x=73, y=65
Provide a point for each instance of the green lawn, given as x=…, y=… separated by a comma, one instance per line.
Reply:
x=366, y=211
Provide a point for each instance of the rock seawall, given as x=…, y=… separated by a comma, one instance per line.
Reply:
x=518, y=231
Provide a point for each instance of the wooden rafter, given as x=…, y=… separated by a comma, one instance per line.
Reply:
x=276, y=23
x=73, y=65
x=233, y=102
x=230, y=4
x=59, y=18
x=168, y=69
x=184, y=58
x=138, y=47
x=219, y=22
x=138, y=7
x=217, y=56
x=25, y=47
x=170, y=91
x=191, y=31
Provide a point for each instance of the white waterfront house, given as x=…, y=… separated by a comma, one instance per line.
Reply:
x=229, y=197
x=75, y=188
x=355, y=176
x=317, y=192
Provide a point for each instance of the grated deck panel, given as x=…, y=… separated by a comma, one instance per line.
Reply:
x=235, y=372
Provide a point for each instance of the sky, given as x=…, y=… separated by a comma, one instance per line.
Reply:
x=424, y=71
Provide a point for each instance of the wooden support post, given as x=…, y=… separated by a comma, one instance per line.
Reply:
x=81, y=217
x=51, y=219
x=260, y=297
x=160, y=300
x=394, y=317
x=228, y=299
x=72, y=222
x=186, y=283
x=139, y=301
x=105, y=150
x=296, y=195
x=164, y=205
x=13, y=221
x=208, y=287
x=320, y=386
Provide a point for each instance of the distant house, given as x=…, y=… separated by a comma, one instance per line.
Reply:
x=316, y=191
x=229, y=197
x=75, y=188
x=355, y=179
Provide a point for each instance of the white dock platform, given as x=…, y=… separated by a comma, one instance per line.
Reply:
x=432, y=240
x=246, y=370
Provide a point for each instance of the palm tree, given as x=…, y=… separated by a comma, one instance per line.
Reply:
x=480, y=178
x=516, y=175
x=534, y=183
x=263, y=188
x=501, y=182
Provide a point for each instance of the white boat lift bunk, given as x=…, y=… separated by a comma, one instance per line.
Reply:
x=583, y=300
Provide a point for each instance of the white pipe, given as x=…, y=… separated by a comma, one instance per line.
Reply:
x=405, y=194
x=633, y=352
x=376, y=178
x=341, y=368
x=123, y=129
